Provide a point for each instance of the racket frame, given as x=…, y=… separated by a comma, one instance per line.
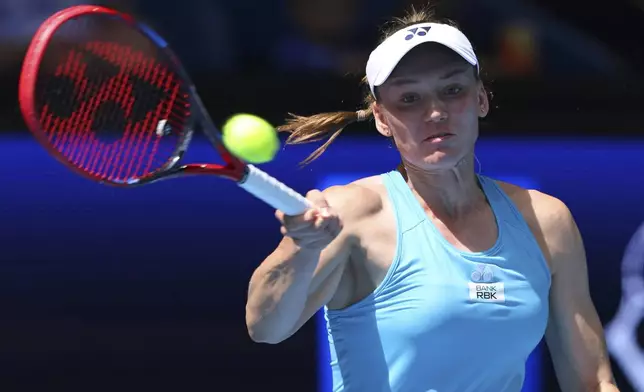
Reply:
x=234, y=169
x=248, y=177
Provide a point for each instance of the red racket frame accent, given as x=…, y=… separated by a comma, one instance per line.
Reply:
x=235, y=169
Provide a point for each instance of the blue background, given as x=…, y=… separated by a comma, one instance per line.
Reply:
x=148, y=284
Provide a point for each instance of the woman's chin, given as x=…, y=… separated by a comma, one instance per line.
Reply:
x=440, y=159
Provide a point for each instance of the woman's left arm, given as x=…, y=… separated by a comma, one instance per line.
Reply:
x=574, y=335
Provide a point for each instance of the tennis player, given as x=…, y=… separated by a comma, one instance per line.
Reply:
x=433, y=278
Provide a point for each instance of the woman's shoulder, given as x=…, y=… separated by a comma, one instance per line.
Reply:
x=548, y=217
x=539, y=203
x=359, y=199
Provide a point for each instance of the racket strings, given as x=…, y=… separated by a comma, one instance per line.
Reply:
x=112, y=109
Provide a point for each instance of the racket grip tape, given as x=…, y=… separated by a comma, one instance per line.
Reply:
x=273, y=192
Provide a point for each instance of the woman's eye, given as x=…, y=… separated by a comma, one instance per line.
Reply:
x=453, y=90
x=409, y=98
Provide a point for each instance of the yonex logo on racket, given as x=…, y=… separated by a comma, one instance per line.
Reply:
x=417, y=32
x=126, y=102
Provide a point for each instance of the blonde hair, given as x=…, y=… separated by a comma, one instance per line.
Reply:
x=306, y=129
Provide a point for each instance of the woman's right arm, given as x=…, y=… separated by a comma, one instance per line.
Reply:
x=304, y=272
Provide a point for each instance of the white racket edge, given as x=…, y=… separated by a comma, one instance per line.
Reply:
x=273, y=192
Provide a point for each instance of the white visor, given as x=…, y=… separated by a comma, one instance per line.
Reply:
x=388, y=54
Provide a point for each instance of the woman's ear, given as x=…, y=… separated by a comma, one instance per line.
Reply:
x=380, y=119
x=484, y=102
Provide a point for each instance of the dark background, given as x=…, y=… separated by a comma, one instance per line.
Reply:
x=144, y=289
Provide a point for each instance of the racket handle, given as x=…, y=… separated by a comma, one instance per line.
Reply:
x=273, y=192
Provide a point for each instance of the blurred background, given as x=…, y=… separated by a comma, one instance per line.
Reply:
x=144, y=289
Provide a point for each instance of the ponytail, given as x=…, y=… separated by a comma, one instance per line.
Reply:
x=313, y=128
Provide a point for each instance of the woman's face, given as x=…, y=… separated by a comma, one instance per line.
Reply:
x=431, y=106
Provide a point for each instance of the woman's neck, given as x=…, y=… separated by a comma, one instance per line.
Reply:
x=448, y=193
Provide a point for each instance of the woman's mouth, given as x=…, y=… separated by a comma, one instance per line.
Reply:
x=438, y=137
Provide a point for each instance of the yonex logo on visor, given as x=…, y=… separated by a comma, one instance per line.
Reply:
x=417, y=31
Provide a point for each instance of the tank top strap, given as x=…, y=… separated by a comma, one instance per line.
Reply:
x=501, y=203
x=408, y=211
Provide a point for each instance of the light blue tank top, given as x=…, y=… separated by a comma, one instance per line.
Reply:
x=443, y=320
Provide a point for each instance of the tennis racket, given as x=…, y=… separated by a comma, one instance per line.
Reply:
x=107, y=97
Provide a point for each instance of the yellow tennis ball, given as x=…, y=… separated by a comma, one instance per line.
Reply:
x=250, y=138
